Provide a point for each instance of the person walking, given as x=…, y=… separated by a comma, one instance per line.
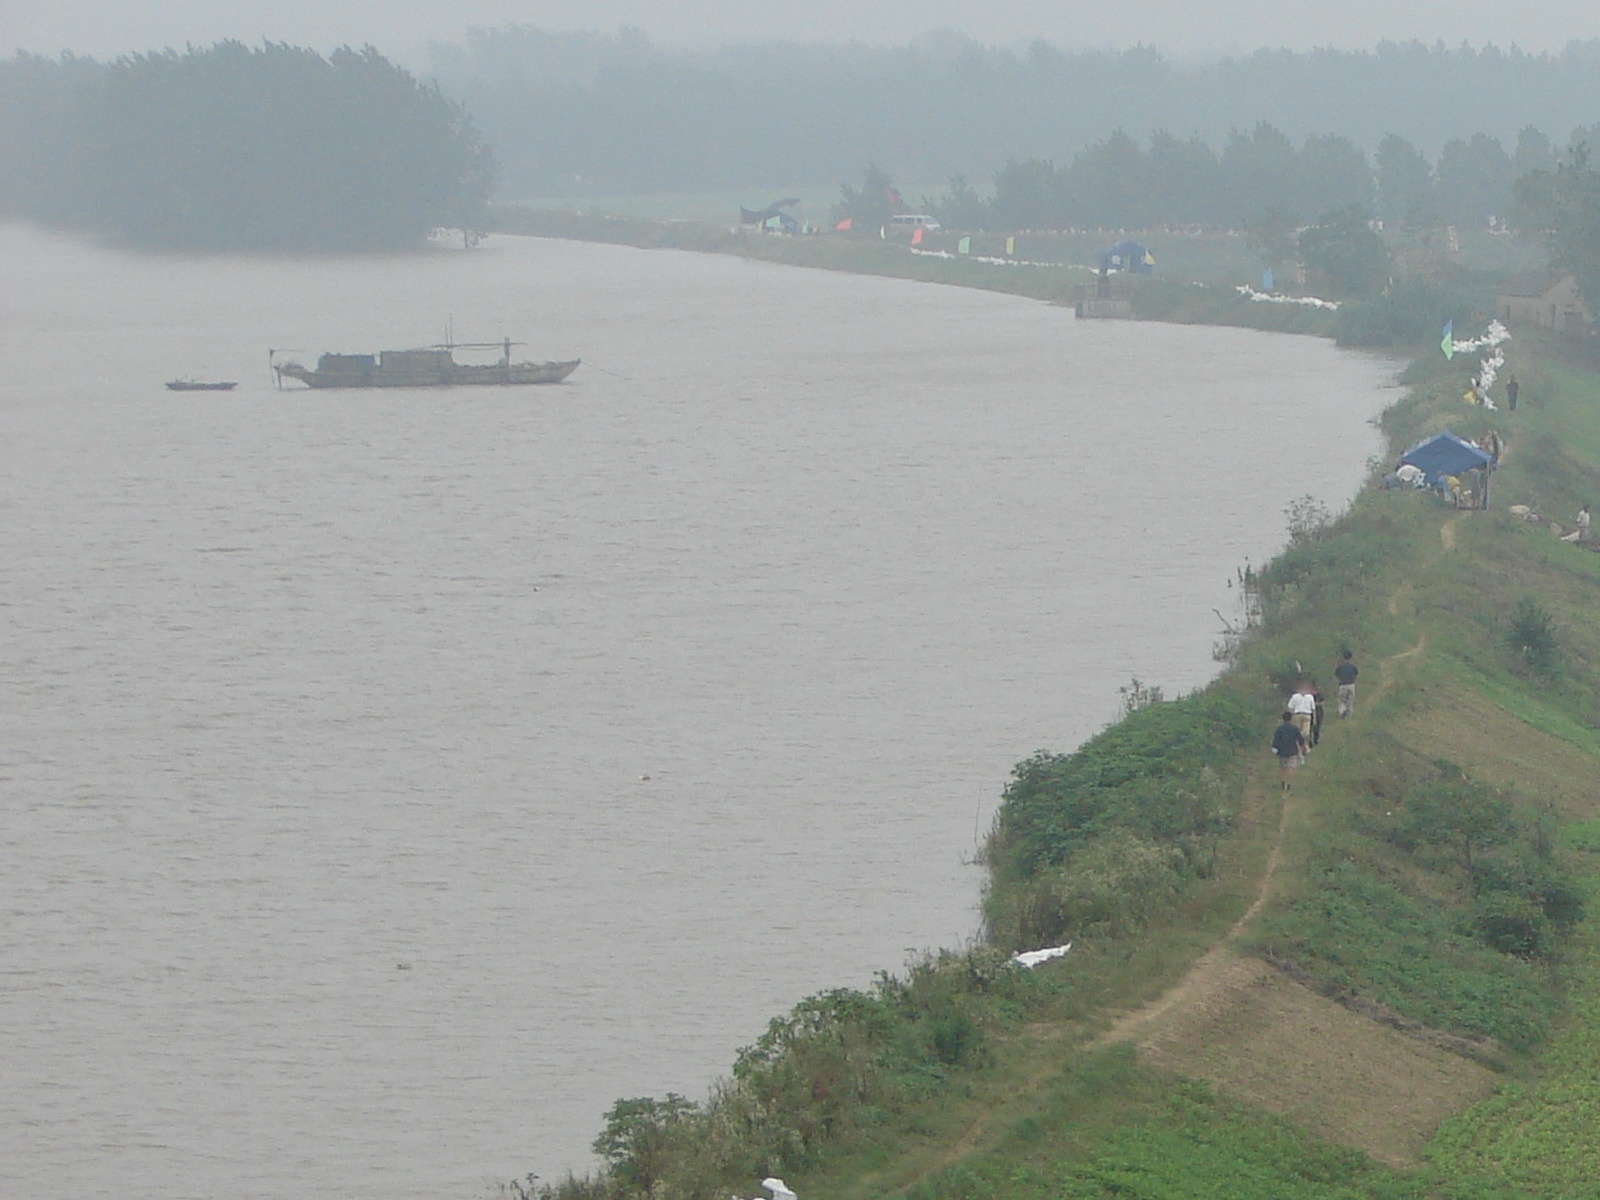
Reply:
x=1289, y=744
x=1512, y=388
x=1302, y=708
x=1345, y=673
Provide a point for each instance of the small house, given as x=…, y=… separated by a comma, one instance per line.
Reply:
x=1550, y=300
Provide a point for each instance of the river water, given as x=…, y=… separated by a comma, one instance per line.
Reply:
x=394, y=779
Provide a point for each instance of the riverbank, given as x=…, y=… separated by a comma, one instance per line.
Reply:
x=1268, y=995
x=1196, y=284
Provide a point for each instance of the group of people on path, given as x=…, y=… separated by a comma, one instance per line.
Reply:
x=1301, y=727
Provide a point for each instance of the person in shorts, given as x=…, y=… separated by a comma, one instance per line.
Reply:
x=1289, y=744
x=1345, y=673
x=1302, y=708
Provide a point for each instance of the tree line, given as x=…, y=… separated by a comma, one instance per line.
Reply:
x=233, y=147
x=1117, y=183
x=586, y=114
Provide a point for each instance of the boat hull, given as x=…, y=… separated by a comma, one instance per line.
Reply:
x=455, y=375
x=189, y=385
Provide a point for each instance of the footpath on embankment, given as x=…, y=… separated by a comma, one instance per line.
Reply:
x=1407, y=975
x=1377, y=987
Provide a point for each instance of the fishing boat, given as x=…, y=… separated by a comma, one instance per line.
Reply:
x=196, y=385
x=432, y=366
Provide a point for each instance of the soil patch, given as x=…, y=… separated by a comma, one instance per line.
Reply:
x=1263, y=1038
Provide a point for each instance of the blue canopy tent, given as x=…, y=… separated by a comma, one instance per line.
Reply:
x=1126, y=256
x=1446, y=454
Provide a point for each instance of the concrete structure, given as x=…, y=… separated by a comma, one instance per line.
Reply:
x=1550, y=300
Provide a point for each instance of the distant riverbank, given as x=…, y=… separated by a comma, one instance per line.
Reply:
x=1195, y=282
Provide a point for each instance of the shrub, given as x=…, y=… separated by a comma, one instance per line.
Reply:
x=1113, y=886
x=1511, y=923
x=1456, y=813
x=1308, y=519
x=1143, y=774
x=1532, y=637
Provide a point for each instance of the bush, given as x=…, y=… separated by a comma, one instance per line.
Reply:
x=1456, y=813
x=1511, y=923
x=1408, y=313
x=1143, y=774
x=1532, y=637
x=1109, y=888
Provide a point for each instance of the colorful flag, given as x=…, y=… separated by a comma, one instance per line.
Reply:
x=916, y=236
x=964, y=246
x=1448, y=342
x=843, y=226
x=1011, y=246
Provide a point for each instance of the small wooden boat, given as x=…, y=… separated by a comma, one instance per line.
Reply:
x=196, y=385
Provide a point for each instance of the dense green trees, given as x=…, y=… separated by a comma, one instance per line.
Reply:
x=1563, y=205
x=1116, y=184
x=1404, y=182
x=873, y=204
x=1342, y=254
x=240, y=148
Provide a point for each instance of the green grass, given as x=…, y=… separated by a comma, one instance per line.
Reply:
x=1170, y=1140
x=968, y=1080
x=1536, y=1139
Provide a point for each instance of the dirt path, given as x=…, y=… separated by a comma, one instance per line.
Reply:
x=1206, y=975
x=1210, y=974
x=1216, y=974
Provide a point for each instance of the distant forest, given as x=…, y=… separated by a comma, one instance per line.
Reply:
x=1120, y=183
x=586, y=114
x=275, y=148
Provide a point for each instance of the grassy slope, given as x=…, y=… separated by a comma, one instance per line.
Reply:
x=1424, y=595
x=1387, y=1012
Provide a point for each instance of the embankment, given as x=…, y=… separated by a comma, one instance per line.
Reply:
x=1369, y=987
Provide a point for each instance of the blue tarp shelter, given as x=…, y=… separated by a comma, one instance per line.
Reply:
x=1444, y=454
x=1126, y=256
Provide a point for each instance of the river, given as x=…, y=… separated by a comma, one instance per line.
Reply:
x=393, y=779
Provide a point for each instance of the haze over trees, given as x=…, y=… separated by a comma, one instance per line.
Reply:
x=586, y=114
x=232, y=147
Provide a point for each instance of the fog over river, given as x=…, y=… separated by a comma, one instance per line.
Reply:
x=393, y=779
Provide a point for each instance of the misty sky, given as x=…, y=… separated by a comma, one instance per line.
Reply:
x=1182, y=28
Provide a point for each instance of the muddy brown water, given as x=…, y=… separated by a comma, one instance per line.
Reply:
x=394, y=779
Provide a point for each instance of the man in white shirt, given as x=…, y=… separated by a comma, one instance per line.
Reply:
x=1302, y=708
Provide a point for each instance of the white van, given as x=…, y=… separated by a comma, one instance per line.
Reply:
x=913, y=221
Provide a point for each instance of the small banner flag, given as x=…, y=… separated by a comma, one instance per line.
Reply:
x=843, y=226
x=964, y=246
x=1011, y=247
x=1448, y=342
x=1266, y=280
x=883, y=233
x=1149, y=259
x=916, y=236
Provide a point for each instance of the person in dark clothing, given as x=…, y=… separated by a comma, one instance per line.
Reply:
x=1317, y=713
x=1345, y=673
x=1289, y=744
x=1512, y=388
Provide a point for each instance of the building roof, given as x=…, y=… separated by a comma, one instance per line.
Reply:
x=1536, y=283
